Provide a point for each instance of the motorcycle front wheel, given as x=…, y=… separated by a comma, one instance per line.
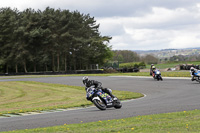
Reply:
x=99, y=104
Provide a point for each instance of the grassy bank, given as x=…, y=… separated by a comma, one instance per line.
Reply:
x=181, y=122
x=164, y=74
x=28, y=96
x=170, y=64
x=173, y=64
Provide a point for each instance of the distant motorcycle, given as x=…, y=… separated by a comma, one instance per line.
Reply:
x=157, y=75
x=101, y=99
x=196, y=74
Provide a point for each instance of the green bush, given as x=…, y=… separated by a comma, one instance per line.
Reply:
x=110, y=71
x=142, y=65
x=133, y=65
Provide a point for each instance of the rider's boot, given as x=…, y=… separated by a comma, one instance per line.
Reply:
x=192, y=78
x=109, y=92
x=113, y=97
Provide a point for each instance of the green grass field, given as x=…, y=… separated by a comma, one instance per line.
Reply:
x=173, y=64
x=179, y=122
x=29, y=96
x=164, y=65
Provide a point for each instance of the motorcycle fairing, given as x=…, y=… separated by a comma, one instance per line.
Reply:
x=197, y=74
x=107, y=98
x=90, y=92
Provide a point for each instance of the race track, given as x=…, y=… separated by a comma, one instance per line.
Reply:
x=170, y=95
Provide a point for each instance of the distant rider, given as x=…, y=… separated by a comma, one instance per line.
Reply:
x=97, y=84
x=192, y=71
x=151, y=69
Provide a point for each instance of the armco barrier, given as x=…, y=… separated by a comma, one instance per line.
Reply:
x=88, y=71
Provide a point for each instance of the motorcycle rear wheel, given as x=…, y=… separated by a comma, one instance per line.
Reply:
x=99, y=104
x=118, y=104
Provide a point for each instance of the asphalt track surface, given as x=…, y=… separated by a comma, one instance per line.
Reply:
x=170, y=95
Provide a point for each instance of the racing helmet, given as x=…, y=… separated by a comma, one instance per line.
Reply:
x=192, y=69
x=153, y=67
x=85, y=80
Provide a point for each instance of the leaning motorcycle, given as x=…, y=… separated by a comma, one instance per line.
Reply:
x=157, y=75
x=196, y=75
x=101, y=99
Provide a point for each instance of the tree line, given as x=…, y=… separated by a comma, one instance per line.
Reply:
x=127, y=56
x=50, y=40
x=195, y=57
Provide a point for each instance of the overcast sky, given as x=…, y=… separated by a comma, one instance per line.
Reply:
x=134, y=24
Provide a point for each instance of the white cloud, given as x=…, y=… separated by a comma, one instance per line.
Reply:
x=161, y=28
x=111, y=26
x=186, y=38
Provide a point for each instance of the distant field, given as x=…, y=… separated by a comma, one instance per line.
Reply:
x=173, y=64
x=164, y=65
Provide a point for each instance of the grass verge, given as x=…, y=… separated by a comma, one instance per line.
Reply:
x=164, y=74
x=174, y=64
x=29, y=96
x=184, y=122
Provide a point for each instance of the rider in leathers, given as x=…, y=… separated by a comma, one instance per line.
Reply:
x=97, y=84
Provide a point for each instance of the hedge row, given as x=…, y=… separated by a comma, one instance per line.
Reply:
x=133, y=65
